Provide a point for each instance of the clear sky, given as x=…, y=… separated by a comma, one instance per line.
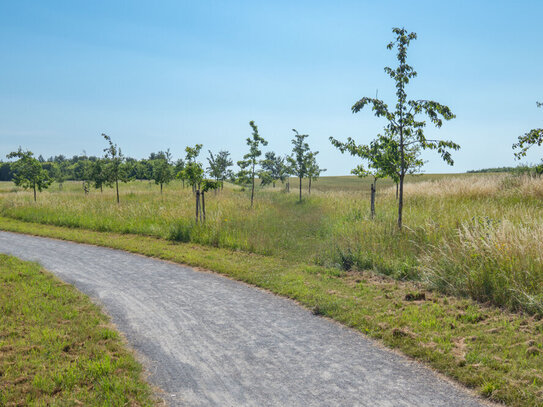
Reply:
x=166, y=74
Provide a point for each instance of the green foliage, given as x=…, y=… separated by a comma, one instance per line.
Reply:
x=190, y=170
x=162, y=172
x=382, y=156
x=533, y=137
x=192, y=153
x=301, y=159
x=313, y=169
x=28, y=171
x=218, y=166
x=116, y=168
x=273, y=169
x=98, y=174
x=247, y=172
x=210, y=185
x=300, y=155
x=192, y=173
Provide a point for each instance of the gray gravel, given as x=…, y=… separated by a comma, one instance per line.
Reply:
x=210, y=341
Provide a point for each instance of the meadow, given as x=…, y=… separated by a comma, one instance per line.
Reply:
x=469, y=235
x=459, y=288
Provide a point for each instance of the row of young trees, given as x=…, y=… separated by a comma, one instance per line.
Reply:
x=38, y=174
x=394, y=153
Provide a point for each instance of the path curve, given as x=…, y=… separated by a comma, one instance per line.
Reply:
x=210, y=341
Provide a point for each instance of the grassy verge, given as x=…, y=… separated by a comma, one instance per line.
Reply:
x=498, y=353
x=56, y=347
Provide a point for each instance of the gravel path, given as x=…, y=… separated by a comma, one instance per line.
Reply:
x=210, y=341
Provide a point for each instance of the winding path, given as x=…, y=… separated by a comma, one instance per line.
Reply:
x=210, y=341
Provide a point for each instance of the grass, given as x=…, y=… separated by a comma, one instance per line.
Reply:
x=468, y=235
x=472, y=245
x=498, y=353
x=57, y=348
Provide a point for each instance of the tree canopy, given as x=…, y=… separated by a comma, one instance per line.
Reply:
x=28, y=171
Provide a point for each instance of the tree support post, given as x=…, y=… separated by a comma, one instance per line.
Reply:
x=197, y=204
x=373, y=200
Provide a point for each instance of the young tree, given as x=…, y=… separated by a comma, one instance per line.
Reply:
x=533, y=137
x=28, y=172
x=218, y=166
x=300, y=157
x=161, y=168
x=98, y=174
x=313, y=169
x=192, y=153
x=178, y=168
x=115, y=171
x=82, y=171
x=404, y=131
x=250, y=160
x=382, y=156
x=190, y=158
x=57, y=172
x=193, y=173
x=274, y=166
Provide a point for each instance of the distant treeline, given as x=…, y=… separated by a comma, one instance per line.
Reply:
x=64, y=168
x=519, y=169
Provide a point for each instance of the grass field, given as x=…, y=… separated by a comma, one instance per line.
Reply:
x=468, y=235
x=477, y=236
x=57, y=348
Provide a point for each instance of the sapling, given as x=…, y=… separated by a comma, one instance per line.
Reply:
x=404, y=132
x=28, y=172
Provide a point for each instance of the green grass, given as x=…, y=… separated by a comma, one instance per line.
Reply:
x=57, y=348
x=497, y=353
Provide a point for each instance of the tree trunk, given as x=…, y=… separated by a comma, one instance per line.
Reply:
x=300, y=189
x=117, y=188
x=101, y=188
x=401, y=102
x=34, y=192
x=161, y=188
x=197, y=204
x=309, y=185
x=373, y=200
x=397, y=190
x=253, y=185
x=204, y=205
x=400, y=203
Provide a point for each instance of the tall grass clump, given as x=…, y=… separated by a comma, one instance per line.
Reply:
x=491, y=261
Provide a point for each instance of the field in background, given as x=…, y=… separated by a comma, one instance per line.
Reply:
x=467, y=234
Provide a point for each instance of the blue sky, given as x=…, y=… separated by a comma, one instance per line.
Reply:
x=166, y=74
